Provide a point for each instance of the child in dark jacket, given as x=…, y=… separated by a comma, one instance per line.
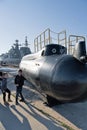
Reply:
x=19, y=82
x=5, y=89
x=0, y=79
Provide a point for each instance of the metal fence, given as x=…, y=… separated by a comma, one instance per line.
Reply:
x=72, y=40
x=49, y=36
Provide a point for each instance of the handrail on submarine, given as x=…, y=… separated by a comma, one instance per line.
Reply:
x=71, y=41
x=48, y=36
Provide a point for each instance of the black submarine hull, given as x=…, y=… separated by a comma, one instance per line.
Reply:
x=62, y=77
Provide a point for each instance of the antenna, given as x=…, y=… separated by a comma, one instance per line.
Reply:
x=26, y=42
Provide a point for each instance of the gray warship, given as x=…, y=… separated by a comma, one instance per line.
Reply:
x=15, y=54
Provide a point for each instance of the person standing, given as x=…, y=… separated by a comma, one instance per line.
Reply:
x=0, y=80
x=4, y=88
x=19, y=82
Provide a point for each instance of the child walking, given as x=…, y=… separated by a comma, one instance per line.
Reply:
x=19, y=82
x=5, y=89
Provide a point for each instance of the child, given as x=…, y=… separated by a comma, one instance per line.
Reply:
x=0, y=79
x=4, y=88
x=19, y=82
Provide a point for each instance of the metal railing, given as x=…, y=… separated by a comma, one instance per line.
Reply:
x=48, y=37
x=72, y=40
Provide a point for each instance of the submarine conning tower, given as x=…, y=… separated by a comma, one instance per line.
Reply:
x=80, y=51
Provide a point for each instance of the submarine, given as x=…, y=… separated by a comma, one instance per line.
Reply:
x=56, y=74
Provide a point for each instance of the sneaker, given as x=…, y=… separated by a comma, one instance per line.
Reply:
x=9, y=100
x=6, y=103
x=22, y=100
x=16, y=103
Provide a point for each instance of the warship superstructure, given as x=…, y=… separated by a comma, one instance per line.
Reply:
x=15, y=54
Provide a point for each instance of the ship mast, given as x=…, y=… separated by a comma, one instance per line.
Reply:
x=26, y=42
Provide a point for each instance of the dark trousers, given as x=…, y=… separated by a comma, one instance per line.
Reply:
x=4, y=94
x=19, y=92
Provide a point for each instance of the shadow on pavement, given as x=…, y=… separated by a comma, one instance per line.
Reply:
x=74, y=112
x=10, y=121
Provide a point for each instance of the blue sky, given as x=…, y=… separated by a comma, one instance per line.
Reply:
x=20, y=18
